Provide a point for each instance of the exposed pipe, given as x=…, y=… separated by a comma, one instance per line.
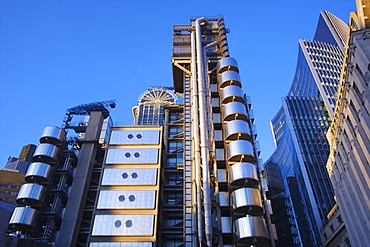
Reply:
x=196, y=142
x=203, y=131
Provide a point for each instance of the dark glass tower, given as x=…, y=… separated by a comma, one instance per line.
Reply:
x=301, y=190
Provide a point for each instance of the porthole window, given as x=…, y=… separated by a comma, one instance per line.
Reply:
x=128, y=223
x=139, y=136
x=117, y=223
x=127, y=155
x=136, y=155
x=134, y=175
x=130, y=136
x=131, y=198
x=124, y=175
x=121, y=198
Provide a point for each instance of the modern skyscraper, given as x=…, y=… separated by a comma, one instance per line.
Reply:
x=299, y=186
x=185, y=175
x=348, y=136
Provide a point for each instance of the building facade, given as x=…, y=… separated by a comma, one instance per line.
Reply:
x=299, y=186
x=186, y=174
x=348, y=163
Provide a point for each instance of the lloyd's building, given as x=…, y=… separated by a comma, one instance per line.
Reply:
x=186, y=174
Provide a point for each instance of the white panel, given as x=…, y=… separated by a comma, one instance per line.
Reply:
x=105, y=225
x=120, y=199
x=145, y=156
x=134, y=137
x=121, y=244
x=115, y=176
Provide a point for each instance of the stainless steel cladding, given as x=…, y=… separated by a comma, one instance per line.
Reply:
x=130, y=176
x=247, y=201
x=227, y=63
x=31, y=194
x=218, y=135
x=240, y=151
x=132, y=156
x=251, y=230
x=39, y=172
x=215, y=102
x=222, y=175
x=226, y=224
x=23, y=219
x=243, y=175
x=228, y=78
x=237, y=130
x=123, y=225
x=126, y=199
x=234, y=111
x=232, y=93
x=216, y=118
x=121, y=244
x=47, y=153
x=53, y=135
x=134, y=137
x=224, y=199
x=220, y=154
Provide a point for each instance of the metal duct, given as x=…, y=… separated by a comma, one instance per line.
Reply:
x=232, y=93
x=39, y=172
x=243, y=175
x=247, y=201
x=237, y=130
x=31, y=194
x=46, y=152
x=23, y=219
x=240, y=151
x=53, y=135
x=230, y=77
x=251, y=230
x=227, y=63
x=234, y=111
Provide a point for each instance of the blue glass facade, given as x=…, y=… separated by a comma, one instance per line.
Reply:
x=299, y=186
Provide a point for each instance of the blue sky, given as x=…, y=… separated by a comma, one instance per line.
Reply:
x=58, y=54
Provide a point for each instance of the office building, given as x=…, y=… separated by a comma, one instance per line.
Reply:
x=299, y=186
x=23, y=161
x=186, y=174
x=348, y=163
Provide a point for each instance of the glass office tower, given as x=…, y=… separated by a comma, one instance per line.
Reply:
x=299, y=185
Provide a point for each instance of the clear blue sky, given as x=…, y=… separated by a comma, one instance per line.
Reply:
x=58, y=54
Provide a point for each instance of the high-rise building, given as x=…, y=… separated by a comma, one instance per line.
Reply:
x=299, y=186
x=23, y=161
x=348, y=163
x=186, y=174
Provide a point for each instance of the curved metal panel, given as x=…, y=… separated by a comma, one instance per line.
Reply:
x=117, y=225
x=23, y=219
x=46, y=152
x=126, y=199
x=240, y=151
x=134, y=137
x=53, y=135
x=234, y=111
x=237, y=130
x=227, y=63
x=125, y=176
x=31, y=194
x=232, y=93
x=132, y=156
x=229, y=78
x=243, y=175
x=39, y=172
x=247, y=201
x=251, y=230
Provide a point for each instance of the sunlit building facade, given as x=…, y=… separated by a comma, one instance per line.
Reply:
x=299, y=186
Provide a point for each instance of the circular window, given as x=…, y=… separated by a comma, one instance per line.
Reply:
x=130, y=136
x=117, y=223
x=121, y=198
x=134, y=175
x=128, y=223
x=136, y=155
x=124, y=175
x=131, y=198
x=127, y=155
x=139, y=136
